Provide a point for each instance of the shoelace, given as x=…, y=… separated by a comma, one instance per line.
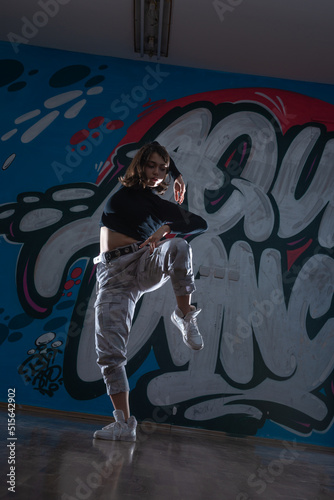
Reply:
x=117, y=429
x=112, y=425
x=193, y=330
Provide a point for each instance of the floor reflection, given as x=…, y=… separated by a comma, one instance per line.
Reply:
x=58, y=459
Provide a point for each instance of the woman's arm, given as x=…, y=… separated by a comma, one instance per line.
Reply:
x=179, y=185
x=184, y=222
x=179, y=189
x=173, y=169
x=180, y=220
x=154, y=239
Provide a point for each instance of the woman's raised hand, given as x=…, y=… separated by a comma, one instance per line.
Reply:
x=179, y=189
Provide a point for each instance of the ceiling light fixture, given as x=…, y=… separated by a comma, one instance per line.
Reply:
x=151, y=27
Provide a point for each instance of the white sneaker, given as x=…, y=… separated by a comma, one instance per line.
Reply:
x=119, y=430
x=188, y=327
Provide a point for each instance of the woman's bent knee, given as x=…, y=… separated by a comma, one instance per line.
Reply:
x=179, y=245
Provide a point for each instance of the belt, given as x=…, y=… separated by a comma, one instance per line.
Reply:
x=114, y=254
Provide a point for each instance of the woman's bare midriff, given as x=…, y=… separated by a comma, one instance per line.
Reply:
x=109, y=240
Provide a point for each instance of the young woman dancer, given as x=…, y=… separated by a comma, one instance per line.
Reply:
x=133, y=260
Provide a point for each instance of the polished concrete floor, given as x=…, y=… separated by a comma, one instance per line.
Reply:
x=56, y=458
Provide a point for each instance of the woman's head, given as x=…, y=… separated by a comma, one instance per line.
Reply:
x=149, y=168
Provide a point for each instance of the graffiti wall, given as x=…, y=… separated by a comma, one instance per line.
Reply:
x=257, y=156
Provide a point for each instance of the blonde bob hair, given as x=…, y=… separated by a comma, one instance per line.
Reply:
x=135, y=174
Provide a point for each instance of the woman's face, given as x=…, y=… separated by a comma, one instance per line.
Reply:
x=155, y=170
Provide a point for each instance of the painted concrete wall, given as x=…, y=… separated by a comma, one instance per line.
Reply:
x=257, y=155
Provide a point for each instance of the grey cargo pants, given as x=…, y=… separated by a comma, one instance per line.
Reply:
x=120, y=284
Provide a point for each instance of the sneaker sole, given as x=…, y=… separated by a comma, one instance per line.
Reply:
x=194, y=348
x=111, y=438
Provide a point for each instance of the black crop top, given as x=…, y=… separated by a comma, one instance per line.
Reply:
x=138, y=212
